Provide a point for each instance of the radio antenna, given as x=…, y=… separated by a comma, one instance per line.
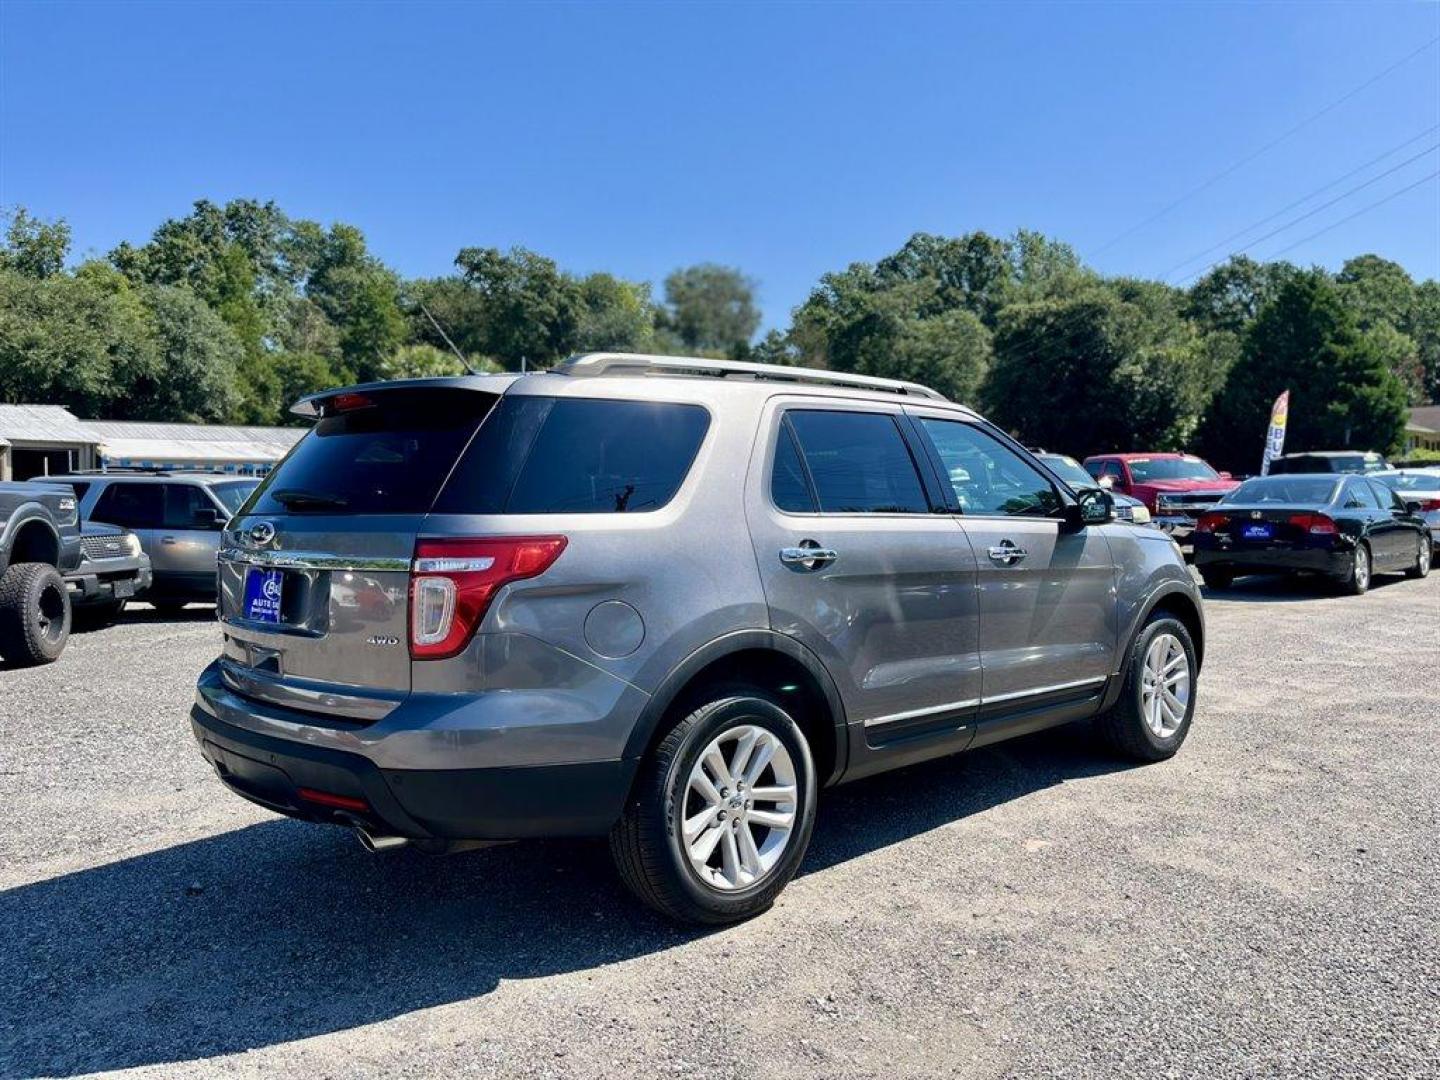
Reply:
x=441, y=331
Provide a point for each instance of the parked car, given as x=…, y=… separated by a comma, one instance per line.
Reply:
x=1421, y=487
x=177, y=516
x=667, y=599
x=1074, y=474
x=1345, y=527
x=1175, y=488
x=39, y=541
x=113, y=569
x=1329, y=461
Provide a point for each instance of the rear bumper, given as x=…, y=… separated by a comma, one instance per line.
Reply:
x=1276, y=560
x=492, y=803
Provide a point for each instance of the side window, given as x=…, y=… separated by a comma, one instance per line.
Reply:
x=181, y=502
x=859, y=462
x=789, y=486
x=986, y=475
x=1388, y=499
x=131, y=506
x=539, y=455
x=1359, y=496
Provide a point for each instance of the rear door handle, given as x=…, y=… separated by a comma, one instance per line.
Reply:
x=808, y=555
x=168, y=540
x=1006, y=553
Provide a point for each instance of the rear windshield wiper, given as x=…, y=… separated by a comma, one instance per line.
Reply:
x=309, y=500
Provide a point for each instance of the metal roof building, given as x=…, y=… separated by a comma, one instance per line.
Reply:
x=42, y=440
x=130, y=444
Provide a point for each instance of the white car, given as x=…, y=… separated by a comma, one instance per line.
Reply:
x=1420, y=486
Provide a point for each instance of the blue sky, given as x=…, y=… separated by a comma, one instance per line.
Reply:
x=786, y=139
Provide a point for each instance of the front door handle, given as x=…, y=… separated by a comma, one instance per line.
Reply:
x=808, y=555
x=168, y=540
x=1006, y=553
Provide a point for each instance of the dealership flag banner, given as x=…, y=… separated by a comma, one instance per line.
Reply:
x=1275, y=437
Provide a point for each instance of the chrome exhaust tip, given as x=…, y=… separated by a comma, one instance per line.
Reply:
x=379, y=845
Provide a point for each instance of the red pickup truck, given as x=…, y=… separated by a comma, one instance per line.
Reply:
x=1177, y=488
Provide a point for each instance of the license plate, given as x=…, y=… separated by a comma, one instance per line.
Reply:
x=1263, y=531
x=124, y=590
x=262, y=594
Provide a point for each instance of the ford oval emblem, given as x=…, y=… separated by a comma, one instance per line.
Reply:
x=261, y=533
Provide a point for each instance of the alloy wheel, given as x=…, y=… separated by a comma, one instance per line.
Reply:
x=739, y=809
x=1362, y=568
x=1165, y=686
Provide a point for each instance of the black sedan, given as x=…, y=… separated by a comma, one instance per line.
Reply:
x=1345, y=527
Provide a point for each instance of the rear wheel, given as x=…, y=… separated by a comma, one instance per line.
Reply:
x=1215, y=578
x=34, y=614
x=721, y=813
x=1152, y=717
x=1423, y=555
x=1360, y=569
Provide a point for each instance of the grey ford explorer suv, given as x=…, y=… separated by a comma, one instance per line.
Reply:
x=667, y=600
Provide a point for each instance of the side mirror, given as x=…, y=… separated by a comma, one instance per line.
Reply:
x=1413, y=507
x=1092, y=506
x=206, y=519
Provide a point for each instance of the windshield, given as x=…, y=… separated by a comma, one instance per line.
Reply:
x=1144, y=470
x=1289, y=490
x=233, y=492
x=1068, y=469
x=1411, y=481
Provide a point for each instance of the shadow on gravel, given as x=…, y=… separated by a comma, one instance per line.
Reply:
x=282, y=931
x=1287, y=588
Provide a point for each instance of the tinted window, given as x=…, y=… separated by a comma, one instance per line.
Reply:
x=133, y=506
x=1295, y=490
x=1358, y=494
x=539, y=455
x=1387, y=499
x=859, y=462
x=789, y=486
x=389, y=457
x=987, y=476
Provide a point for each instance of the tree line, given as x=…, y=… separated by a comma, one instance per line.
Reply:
x=232, y=312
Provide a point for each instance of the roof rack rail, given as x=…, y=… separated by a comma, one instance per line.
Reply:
x=613, y=363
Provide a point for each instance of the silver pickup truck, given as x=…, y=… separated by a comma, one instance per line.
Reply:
x=39, y=543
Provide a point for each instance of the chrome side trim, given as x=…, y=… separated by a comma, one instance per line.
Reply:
x=313, y=560
x=956, y=706
x=915, y=714
x=1013, y=695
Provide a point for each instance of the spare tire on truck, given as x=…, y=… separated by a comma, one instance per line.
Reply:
x=34, y=614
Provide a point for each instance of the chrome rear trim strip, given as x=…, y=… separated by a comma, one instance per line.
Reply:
x=915, y=714
x=1039, y=690
x=313, y=560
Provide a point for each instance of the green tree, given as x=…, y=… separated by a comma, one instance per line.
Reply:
x=1423, y=328
x=710, y=308
x=1342, y=395
x=1227, y=298
x=615, y=315
x=34, y=248
x=527, y=307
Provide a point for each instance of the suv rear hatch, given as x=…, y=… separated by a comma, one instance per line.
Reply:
x=315, y=567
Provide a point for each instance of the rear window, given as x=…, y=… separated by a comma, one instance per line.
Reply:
x=1313, y=490
x=542, y=455
x=386, y=458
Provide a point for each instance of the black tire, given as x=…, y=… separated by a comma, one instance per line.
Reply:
x=1216, y=578
x=34, y=614
x=168, y=608
x=1357, y=584
x=1123, y=727
x=1424, y=556
x=97, y=616
x=646, y=842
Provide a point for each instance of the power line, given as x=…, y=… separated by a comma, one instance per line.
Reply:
x=1323, y=206
x=1222, y=174
x=1357, y=213
x=1303, y=199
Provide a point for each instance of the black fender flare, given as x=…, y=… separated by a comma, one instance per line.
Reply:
x=20, y=518
x=738, y=641
x=1144, y=610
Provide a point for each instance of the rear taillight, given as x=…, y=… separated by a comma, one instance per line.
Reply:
x=1314, y=524
x=1426, y=505
x=453, y=581
x=1210, y=521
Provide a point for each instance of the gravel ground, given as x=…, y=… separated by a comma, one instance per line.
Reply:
x=1266, y=904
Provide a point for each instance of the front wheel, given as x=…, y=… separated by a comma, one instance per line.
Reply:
x=721, y=813
x=1157, y=703
x=1423, y=555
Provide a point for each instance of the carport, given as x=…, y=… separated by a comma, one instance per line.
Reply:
x=43, y=440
